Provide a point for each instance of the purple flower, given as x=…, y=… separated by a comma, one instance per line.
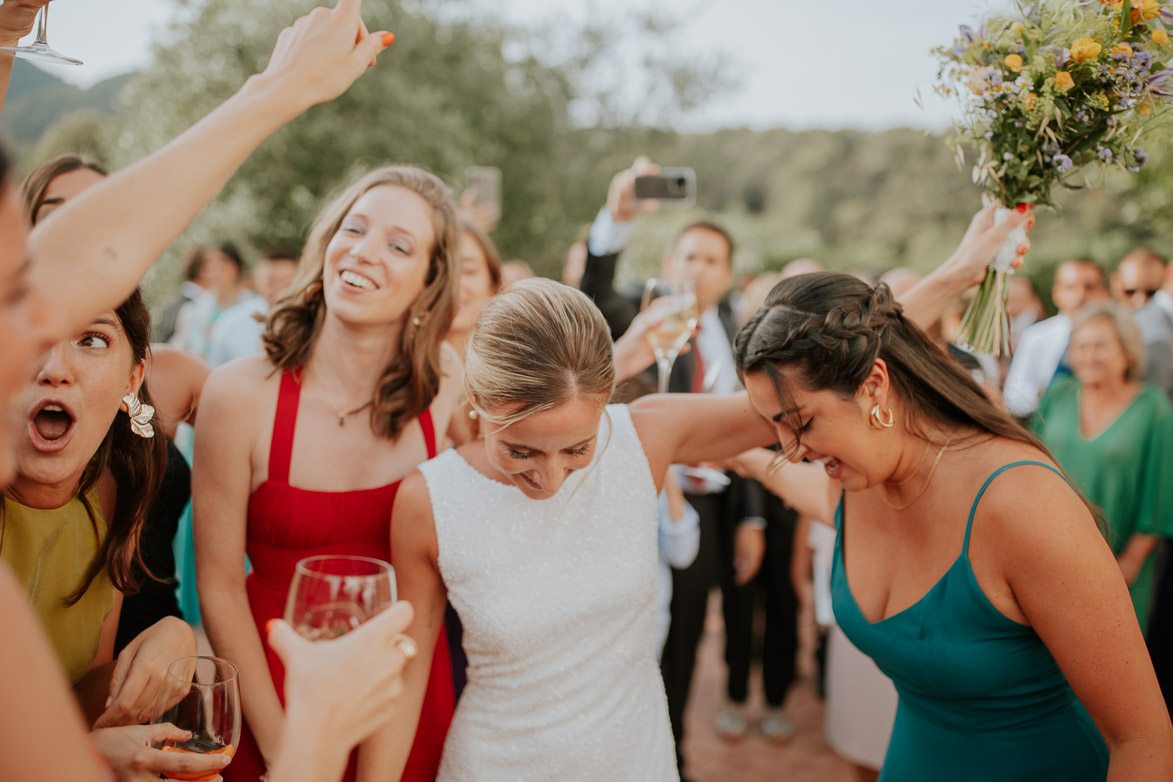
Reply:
x=1166, y=14
x=989, y=134
x=1062, y=163
x=1160, y=83
x=958, y=50
x=1141, y=156
x=1103, y=153
x=967, y=33
x=1007, y=156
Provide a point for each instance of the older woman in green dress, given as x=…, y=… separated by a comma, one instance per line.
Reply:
x=1113, y=436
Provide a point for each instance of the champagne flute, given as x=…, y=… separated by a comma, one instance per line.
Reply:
x=332, y=595
x=201, y=695
x=677, y=301
x=40, y=50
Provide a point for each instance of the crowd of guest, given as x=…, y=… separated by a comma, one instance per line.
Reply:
x=394, y=390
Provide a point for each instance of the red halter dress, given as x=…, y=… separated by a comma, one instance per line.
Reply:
x=286, y=524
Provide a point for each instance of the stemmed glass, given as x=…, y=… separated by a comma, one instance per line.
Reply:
x=40, y=50
x=202, y=697
x=332, y=595
x=677, y=302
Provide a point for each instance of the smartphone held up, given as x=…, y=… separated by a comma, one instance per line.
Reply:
x=671, y=187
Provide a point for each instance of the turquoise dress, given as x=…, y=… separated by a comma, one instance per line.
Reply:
x=981, y=697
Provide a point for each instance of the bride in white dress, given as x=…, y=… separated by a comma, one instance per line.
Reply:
x=543, y=536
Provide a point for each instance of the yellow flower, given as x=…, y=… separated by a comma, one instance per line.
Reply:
x=1122, y=48
x=1160, y=37
x=1031, y=100
x=1016, y=28
x=1145, y=108
x=1063, y=81
x=1085, y=49
x=1013, y=62
x=1147, y=9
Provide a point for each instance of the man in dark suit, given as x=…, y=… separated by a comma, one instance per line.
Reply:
x=731, y=523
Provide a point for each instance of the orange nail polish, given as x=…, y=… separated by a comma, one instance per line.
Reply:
x=1030, y=222
x=388, y=39
x=1022, y=249
x=269, y=626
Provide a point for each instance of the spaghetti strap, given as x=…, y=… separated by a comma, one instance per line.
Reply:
x=284, y=422
x=982, y=490
x=429, y=429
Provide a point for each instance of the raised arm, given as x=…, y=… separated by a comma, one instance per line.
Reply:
x=221, y=484
x=414, y=553
x=692, y=428
x=16, y=21
x=927, y=300
x=93, y=251
x=804, y=486
x=1067, y=584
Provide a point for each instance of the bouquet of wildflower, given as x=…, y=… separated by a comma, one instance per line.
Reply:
x=1061, y=84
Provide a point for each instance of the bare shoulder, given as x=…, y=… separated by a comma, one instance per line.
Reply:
x=245, y=378
x=167, y=359
x=242, y=392
x=413, y=527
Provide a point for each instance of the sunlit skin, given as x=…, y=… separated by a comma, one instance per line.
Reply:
x=377, y=261
x=701, y=256
x=1077, y=284
x=835, y=431
x=1096, y=355
x=537, y=454
x=28, y=317
x=64, y=187
x=1138, y=281
x=76, y=394
x=476, y=287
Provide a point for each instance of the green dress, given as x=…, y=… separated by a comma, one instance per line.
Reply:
x=981, y=697
x=50, y=551
x=1123, y=470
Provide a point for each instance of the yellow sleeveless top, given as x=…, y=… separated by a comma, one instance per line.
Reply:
x=50, y=551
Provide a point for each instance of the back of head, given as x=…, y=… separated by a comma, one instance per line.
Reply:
x=537, y=344
x=830, y=328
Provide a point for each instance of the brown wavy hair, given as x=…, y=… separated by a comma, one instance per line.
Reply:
x=37, y=182
x=410, y=382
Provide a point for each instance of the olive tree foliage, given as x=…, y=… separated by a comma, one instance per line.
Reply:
x=458, y=87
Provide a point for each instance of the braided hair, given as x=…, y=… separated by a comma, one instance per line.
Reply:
x=830, y=328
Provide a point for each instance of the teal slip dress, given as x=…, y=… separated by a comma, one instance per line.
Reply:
x=981, y=697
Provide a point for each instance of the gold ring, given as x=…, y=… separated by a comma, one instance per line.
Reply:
x=406, y=647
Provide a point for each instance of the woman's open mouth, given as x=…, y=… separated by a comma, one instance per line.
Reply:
x=51, y=426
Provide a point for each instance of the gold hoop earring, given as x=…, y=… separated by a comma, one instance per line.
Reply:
x=884, y=419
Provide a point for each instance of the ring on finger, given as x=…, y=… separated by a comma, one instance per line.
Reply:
x=406, y=647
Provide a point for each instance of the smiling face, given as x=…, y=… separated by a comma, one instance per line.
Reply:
x=476, y=284
x=1097, y=356
x=823, y=426
x=701, y=256
x=75, y=397
x=538, y=453
x=377, y=262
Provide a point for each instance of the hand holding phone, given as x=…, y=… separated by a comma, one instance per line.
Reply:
x=669, y=186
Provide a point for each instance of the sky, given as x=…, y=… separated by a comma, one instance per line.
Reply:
x=798, y=63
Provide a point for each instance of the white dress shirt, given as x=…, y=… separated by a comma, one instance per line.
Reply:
x=1038, y=356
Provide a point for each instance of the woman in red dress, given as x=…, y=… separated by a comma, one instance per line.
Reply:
x=300, y=451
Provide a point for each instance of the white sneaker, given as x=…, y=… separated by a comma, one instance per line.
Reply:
x=732, y=724
x=775, y=727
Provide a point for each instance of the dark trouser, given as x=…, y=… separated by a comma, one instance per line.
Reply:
x=780, y=647
x=690, y=595
x=1160, y=636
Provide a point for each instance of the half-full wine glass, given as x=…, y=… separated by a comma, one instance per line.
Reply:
x=202, y=697
x=40, y=50
x=332, y=595
x=677, y=302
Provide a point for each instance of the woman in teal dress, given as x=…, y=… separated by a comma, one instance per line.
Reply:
x=966, y=566
x=1113, y=436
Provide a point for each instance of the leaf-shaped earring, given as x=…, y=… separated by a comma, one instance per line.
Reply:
x=140, y=415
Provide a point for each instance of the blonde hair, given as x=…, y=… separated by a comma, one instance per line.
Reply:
x=1127, y=332
x=537, y=344
x=410, y=382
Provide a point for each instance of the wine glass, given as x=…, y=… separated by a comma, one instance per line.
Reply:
x=332, y=595
x=40, y=50
x=677, y=301
x=201, y=695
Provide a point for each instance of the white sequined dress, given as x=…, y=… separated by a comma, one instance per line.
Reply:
x=558, y=600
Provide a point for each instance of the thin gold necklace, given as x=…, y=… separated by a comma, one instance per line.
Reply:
x=342, y=415
x=928, y=480
x=921, y=461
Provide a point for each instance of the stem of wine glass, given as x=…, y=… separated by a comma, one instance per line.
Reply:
x=43, y=26
x=664, y=367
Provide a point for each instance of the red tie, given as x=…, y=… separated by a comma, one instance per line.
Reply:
x=698, y=363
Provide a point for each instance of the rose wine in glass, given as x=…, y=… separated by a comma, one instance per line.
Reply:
x=202, y=697
x=332, y=595
x=40, y=50
x=677, y=302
